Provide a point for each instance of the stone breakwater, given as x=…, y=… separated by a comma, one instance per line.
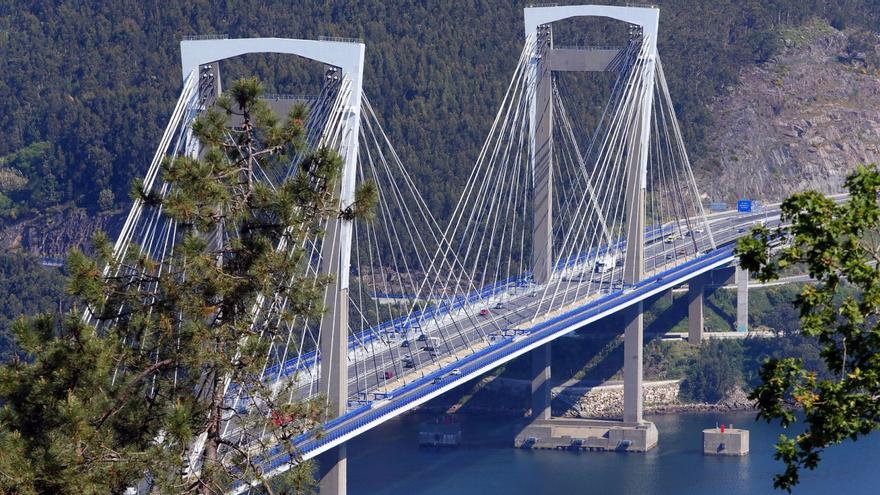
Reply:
x=510, y=397
x=606, y=401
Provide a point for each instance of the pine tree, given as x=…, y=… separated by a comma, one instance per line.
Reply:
x=100, y=404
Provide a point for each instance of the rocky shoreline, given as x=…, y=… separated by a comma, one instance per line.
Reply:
x=510, y=398
x=680, y=408
x=699, y=407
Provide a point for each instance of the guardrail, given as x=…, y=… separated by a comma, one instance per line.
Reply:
x=340, y=39
x=198, y=37
x=474, y=362
x=413, y=321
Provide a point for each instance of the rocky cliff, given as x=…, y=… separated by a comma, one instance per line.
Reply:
x=804, y=119
x=52, y=234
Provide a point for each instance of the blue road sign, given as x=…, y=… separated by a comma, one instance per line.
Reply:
x=744, y=205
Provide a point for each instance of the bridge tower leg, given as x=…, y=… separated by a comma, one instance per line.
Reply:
x=632, y=274
x=542, y=156
x=696, y=292
x=742, y=299
x=541, y=396
x=336, y=262
x=634, y=262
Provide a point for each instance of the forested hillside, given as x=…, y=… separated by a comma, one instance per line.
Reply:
x=87, y=87
x=88, y=84
x=26, y=288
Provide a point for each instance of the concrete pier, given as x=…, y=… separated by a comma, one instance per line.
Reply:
x=696, y=293
x=587, y=434
x=541, y=382
x=731, y=441
x=742, y=299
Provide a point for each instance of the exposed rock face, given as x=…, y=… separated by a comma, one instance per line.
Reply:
x=51, y=235
x=802, y=121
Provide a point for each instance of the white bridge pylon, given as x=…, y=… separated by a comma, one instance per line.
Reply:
x=543, y=61
x=336, y=246
x=633, y=137
x=334, y=121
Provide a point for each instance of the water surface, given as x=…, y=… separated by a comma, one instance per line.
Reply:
x=388, y=460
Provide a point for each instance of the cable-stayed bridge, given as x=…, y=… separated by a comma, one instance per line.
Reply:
x=558, y=225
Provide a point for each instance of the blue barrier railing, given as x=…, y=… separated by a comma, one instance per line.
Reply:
x=406, y=322
x=506, y=347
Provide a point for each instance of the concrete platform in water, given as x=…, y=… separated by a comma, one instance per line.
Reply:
x=725, y=441
x=587, y=434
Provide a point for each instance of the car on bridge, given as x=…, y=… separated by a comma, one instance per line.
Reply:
x=431, y=344
x=484, y=312
x=389, y=375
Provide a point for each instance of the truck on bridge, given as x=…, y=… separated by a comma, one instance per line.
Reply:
x=605, y=263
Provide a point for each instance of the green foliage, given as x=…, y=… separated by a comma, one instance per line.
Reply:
x=715, y=371
x=27, y=179
x=26, y=288
x=99, y=401
x=838, y=243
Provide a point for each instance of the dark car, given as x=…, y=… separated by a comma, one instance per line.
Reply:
x=389, y=375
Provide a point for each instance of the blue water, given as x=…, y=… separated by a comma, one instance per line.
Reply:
x=388, y=460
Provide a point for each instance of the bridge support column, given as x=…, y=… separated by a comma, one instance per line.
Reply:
x=633, y=434
x=742, y=299
x=696, y=291
x=542, y=158
x=336, y=262
x=632, y=365
x=334, y=358
x=541, y=383
x=634, y=263
x=334, y=468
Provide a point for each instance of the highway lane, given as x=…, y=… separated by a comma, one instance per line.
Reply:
x=366, y=417
x=467, y=332
x=520, y=310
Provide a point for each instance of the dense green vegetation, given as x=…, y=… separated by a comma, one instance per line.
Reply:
x=100, y=400
x=88, y=84
x=26, y=288
x=839, y=245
